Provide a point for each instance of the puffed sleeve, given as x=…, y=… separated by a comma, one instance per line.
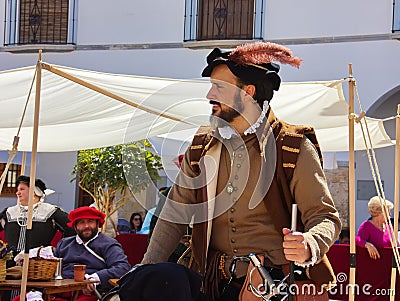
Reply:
x=318, y=213
x=172, y=222
x=116, y=264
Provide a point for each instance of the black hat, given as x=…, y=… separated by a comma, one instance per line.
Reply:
x=38, y=182
x=252, y=61
x=161, y=282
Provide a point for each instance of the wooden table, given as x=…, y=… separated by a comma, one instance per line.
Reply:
x=48, y=287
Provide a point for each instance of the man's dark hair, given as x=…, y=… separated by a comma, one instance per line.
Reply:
x=264, y=89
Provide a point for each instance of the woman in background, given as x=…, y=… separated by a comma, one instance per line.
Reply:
x=46, y=218
x=375, y=233
x=136, y=222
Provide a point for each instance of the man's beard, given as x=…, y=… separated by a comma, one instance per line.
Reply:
x=85, y=236
x=229, y=114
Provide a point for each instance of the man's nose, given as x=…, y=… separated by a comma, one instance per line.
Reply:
x=210, y=95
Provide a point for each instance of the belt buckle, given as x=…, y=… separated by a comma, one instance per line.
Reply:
x=232, y=266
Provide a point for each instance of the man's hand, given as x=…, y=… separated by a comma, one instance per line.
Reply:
x=89, y=289
x=372, y=251
x=294, y=246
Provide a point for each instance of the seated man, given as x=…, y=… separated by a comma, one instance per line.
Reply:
x=102, y=255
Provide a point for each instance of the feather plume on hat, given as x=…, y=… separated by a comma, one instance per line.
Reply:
x=263, y=53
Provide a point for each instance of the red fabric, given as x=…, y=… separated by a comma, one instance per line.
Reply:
x=372, y=276
x=134, y=246
x=2, y=236
x=56, y=238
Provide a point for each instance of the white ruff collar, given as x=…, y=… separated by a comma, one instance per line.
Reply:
x=252, y=129
x=41, y=212
x=227, y=132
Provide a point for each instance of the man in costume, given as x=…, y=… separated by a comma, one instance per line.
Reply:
x=102, y=255
x=255, y=166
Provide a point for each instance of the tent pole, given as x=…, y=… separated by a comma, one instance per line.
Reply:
x=352, y=278
x=396, y=204
x=32, y=175
x=23, y=163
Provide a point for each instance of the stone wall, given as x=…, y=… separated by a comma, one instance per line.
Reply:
x=338, y=183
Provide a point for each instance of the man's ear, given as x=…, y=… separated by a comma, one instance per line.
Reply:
x=250, y=90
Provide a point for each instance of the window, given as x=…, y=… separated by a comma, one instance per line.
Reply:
x=39, y=22
x=396, y=16
x=366, y=189
x=10, y=184
x=223, y=20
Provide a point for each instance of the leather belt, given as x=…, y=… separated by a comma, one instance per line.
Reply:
x=241, y=267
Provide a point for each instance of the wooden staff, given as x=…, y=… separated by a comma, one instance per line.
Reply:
x=291, y=266
x=352, y=278
x=396, y=204
x=32, y=177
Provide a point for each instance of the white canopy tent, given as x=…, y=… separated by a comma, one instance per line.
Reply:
x=73, y=117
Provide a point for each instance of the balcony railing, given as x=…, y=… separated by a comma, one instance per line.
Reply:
x=30, y=22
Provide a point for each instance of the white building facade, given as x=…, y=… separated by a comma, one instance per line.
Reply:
x=172, y=38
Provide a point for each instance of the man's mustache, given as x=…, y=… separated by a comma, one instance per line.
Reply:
x=214, y=102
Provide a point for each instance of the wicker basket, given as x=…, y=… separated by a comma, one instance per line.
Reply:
x=2, y=270
x=40, y=268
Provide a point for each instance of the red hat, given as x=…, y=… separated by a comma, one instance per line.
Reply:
x=85, y=212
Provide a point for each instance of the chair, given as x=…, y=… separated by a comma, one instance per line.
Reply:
x=56, y=238
x=134, y=246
